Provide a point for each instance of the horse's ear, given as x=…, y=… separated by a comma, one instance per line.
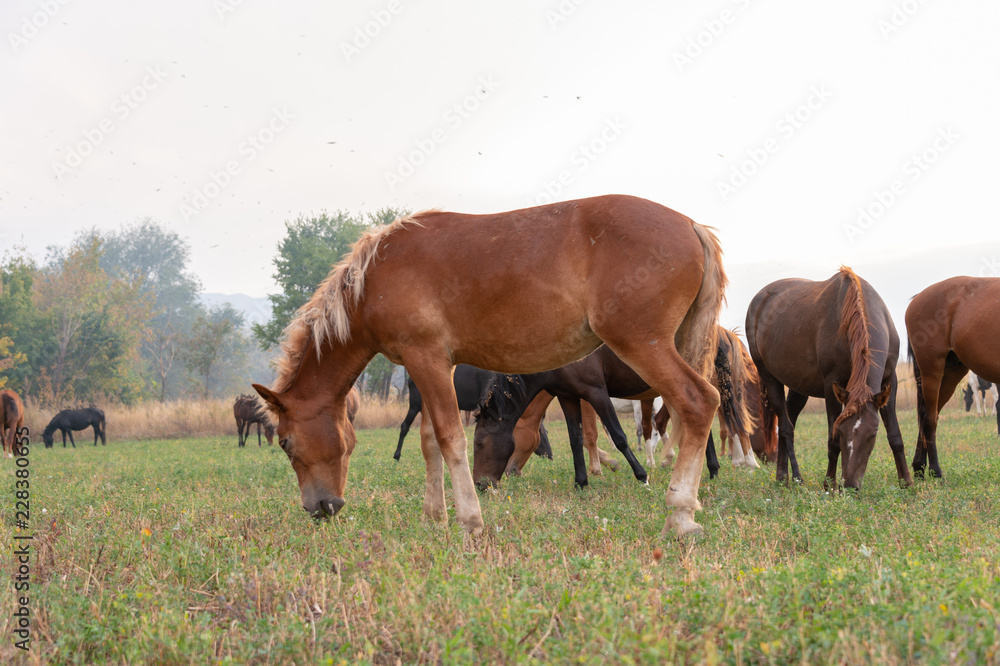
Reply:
x=883, y=397
x=269, y=396
x=839, y=393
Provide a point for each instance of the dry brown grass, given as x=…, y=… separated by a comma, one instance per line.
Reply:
x=191, y=418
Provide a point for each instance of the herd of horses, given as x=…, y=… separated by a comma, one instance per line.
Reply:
x=611, y=296
x=589, y=301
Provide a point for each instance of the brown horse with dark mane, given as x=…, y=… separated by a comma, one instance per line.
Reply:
x=817, y=338
x=953, y=326
x=11, y=420
x=248, y=410
x=643, y=279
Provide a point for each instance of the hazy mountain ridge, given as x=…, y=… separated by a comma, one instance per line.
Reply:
x=255, y=310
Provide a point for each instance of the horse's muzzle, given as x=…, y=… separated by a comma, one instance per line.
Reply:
x=328, y=507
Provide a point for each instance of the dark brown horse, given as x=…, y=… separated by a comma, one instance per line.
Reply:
x=817, y=338
x=11, y=420
x=953, y=327
x=595, y=379
x=247, y=410
x=643, y=279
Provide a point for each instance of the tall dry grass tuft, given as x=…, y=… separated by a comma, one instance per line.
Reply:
x=376, y=413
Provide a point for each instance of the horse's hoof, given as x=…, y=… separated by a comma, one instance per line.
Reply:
x=683, y=524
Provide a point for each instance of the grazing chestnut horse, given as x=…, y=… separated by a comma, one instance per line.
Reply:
x=247, y=410
x=817, y=338
x=435, y=289
x=11, y=420
x=953, y=326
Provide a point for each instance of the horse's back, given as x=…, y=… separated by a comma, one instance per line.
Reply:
x=565, y=267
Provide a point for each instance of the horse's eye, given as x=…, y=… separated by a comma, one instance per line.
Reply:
x=283, y=443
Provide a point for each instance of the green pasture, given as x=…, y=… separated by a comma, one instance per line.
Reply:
x=194, y=551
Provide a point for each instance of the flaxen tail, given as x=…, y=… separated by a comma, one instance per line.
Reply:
x=698, y=336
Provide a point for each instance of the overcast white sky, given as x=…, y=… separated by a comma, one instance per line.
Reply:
x=773, y=120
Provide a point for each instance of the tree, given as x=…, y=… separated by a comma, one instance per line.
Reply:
x=156, y=259
x=17, y=317
x=312, y=245
x=214, y=335
x=94, y=325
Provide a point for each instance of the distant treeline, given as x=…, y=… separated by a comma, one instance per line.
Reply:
x=115, y=316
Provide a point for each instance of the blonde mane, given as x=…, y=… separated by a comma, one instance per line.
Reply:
x=327, y=314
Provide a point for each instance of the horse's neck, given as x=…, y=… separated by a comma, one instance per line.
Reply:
x=334, y=371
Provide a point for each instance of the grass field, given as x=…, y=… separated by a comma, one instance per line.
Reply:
x=194, y=551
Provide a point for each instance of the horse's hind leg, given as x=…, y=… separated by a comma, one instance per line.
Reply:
x=692, y=401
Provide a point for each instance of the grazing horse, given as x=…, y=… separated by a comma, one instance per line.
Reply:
x=69, y=420
x=643, y=279
x=817, y=338
x=247, y=410
x=470, y=385
x=595, y=379
x=11, y=420
x=952, y=327
x=975, y=393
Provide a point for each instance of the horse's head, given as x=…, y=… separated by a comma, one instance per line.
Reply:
x=47, y=438
x=968, y=394
x=855, y=430
x=498, y=412
x=319, y=442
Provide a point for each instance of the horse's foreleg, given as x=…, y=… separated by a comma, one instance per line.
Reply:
x=711, y=458
x=527, y=435
x=597, y=457
x=833, y=410
x=601, y=402
x=437, y=390
x=574, y=426
x=405, y=428
x=895, y=437
x=434, y=506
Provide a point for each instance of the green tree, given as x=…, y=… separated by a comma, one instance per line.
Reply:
x=17, y=318
x=94, y=324
x=216, y=345
x=312, y=245
x=156, y=260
